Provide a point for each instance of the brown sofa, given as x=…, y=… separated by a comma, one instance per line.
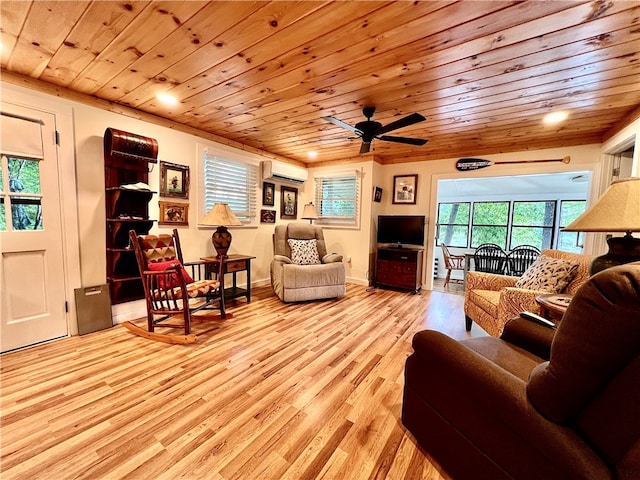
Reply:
x=496, y=408
x=491, y=300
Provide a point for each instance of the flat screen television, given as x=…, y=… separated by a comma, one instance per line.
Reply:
x=401, y=230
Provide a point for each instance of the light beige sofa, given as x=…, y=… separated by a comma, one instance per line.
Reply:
x=491, y=300
x=295, y=283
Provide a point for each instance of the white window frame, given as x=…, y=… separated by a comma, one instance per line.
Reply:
x=252, y=218
x=350, y=223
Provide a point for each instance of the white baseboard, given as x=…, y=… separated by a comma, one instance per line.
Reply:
x=124, y=312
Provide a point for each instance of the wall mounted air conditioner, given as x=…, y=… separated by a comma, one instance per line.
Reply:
x=283, y=172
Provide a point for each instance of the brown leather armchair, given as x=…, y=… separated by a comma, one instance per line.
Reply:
x=536, y=404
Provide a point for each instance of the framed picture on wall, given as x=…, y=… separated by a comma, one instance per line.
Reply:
x=267, y=216
x=288, y=203
x=405, y=188
x=377, y=194
x=174, y=180
x=173, y=213
x=268, y=194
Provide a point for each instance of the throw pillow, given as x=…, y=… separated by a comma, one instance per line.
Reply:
x=331, y=258
x=551, y=275
x=304, y=252
x=169, y=281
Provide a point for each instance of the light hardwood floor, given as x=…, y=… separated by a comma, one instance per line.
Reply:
x=299, y=391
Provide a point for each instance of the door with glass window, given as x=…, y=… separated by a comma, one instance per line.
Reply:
x=32, y=280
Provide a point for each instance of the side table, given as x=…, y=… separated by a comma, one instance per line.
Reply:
x=232, y=264
x=553, y=305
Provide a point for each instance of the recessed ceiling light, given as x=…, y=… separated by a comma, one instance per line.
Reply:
x=312, y=154
x=555, y=117
x=167, y=99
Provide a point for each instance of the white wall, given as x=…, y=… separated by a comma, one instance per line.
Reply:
x=88, y=236
x=585, y=157
x=352, y=243
x=175, y=147
x=85, y=165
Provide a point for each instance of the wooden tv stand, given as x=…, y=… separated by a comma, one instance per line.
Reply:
x=399, y=268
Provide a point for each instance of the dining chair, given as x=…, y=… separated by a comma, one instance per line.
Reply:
x=490, y=258
x=520, y=258
x=451, y=263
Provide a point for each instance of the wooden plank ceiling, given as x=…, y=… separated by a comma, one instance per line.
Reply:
x=265, y=73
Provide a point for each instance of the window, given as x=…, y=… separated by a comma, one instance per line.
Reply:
x=489, y=223
x=23, y=199
x=510, y=223
x=230, y=181
x=337, y=199
x=20, y=194
x=532, y=224
x=569, y=211
x=453, y=225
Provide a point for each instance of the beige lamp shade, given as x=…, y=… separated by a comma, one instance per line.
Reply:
x=222, y=215
x=309, y=212
x=617, y=210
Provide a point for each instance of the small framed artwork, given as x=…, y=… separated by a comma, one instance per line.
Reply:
x=405, y=189
x=173, y=213
x=377, y=194
x=288, y=203
x=267, y=216
x=268, y=194
x=174, y=180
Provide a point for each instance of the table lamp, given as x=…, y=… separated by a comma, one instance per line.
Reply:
x=309, y=212
x=222, y=216
x=617, y=210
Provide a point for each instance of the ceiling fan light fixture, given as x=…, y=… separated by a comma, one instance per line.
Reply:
x=312, y=154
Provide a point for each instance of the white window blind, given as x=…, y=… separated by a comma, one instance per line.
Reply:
x=337, y=199
x=21, y=151
x=20, y=136
x=233, y=182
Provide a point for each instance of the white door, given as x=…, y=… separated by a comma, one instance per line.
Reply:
x=32, y=280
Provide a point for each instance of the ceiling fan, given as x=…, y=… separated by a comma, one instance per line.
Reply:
x=369, y=130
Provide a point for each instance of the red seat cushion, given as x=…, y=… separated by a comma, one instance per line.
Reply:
x=165, y=281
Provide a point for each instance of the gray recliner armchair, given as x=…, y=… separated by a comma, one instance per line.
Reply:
x=301, y=269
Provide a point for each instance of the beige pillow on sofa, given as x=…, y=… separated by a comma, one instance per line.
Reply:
x=548, y=274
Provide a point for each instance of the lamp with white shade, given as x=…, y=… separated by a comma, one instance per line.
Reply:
x=309, y=212
x=617, y=210
x=222, y=217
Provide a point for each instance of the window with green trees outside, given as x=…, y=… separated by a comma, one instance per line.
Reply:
x=510, y=223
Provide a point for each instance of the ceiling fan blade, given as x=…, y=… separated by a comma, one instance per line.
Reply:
x=340, y=123
x=409, y=141
x=335, y=139
x=403, y=122
x=365, y=147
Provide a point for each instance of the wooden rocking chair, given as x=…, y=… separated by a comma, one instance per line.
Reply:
x=170, y=292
